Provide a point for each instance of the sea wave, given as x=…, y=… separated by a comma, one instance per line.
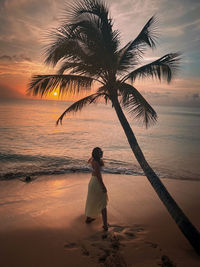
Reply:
x=14, y=157
x=73, y=169
x=17, y=166
x=81, y=169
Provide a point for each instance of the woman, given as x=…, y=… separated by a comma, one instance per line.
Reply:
x=97, y=193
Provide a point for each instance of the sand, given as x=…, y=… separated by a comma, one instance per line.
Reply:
x=42, y=223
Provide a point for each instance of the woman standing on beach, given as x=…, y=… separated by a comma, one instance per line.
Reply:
x=97, y=193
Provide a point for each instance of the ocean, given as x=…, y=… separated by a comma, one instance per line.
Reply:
x=31, y=143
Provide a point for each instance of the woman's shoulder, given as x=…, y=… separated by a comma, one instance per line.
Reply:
x=92, y=162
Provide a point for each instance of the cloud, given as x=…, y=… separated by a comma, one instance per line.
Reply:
x=156, y=94
x=8, y=92
x=172, y=98
x=181, y=29
x=6, y=58
x=15, y=58
x=195, y=96
x=179, y=92
x=23, y=24
x=15, y=65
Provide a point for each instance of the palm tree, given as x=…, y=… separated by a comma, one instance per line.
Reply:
x=88, y=51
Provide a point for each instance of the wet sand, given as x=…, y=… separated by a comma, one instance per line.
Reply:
x=42, y=223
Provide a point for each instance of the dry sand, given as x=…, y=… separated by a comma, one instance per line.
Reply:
x=42, y=223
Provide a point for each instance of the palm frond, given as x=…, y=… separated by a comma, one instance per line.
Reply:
x=130, y=54
x=42, y=85
x=62, y=45
x=104, y=91
x=78, y=105
x=147, y=36
x=66, y=65
x=126, y=58
x=91, y=17
x=136, y=104
x=91, y=7
x=84, y=39
x=88, y=28
x=162, y=68
x=91, y=35
x=80, y=68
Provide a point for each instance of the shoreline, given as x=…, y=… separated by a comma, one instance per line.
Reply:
x=43, y=222
x=84, y=171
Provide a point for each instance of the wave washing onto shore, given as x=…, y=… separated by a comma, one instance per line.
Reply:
x=34, y=166
x=31, y=145
x=43, y=165
x=74, y=169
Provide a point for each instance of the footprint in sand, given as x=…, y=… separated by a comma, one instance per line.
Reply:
x=84, y=250
x=166, y=262
x=153, y=245
x=130, y=234
x=70, y=245
x=117, y=228
x=105, y=247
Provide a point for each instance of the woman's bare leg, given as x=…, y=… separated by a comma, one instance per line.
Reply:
x=104, y=218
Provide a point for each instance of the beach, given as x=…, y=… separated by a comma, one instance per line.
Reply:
x=43, y=223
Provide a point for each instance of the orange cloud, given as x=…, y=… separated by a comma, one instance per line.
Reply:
x=8, y=92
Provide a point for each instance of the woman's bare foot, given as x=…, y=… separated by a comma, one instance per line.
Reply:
x=105, y=227
x=89, y=220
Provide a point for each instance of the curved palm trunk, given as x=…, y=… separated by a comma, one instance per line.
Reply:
x=177, y=214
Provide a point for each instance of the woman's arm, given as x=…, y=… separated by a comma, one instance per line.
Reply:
x=90, y=160
x=97, y=173
x=102, y=163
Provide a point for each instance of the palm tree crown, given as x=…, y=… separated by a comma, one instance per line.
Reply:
x=88, y=50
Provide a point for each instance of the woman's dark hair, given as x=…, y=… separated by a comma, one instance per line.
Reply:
x=97, y=154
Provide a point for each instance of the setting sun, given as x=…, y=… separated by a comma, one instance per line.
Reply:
x=55, y=93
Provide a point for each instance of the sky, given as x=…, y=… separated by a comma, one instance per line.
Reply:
x=24, y=24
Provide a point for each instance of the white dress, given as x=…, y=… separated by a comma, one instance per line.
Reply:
x=96, y=198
